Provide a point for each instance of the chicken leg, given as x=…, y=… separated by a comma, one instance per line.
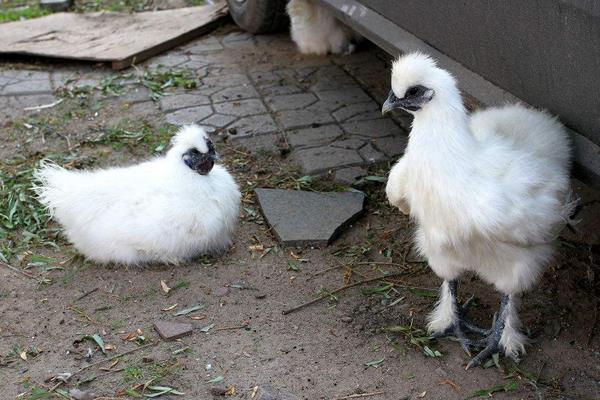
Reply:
x=448, y=309
x=491, y=342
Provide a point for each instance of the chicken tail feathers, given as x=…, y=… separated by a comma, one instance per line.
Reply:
x=46, y=183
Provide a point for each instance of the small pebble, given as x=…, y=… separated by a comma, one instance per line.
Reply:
x=346, y=319
x=221, y=291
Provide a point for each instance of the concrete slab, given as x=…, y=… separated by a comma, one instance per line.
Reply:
x=302, y=219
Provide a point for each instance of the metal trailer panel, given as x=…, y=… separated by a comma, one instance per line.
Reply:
x=545, y=53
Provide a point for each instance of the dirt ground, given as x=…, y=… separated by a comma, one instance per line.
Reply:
x=242, y=345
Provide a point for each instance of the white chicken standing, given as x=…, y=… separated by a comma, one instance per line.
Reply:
x=316, y=31
x=168, y=209
x=489, y=193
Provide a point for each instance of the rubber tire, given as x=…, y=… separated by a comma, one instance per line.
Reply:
x=259, y=16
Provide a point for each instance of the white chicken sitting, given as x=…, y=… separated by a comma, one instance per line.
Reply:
x=316, y=31
x=168, y=209
x=489, y=193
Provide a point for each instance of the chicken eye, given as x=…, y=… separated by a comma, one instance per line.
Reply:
x=412, y=91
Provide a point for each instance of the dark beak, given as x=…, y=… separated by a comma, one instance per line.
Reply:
x=412, y=103
x=391, y=103
x=202, y=163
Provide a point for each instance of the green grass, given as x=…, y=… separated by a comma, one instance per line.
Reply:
x=16, y=14
x=23, y=220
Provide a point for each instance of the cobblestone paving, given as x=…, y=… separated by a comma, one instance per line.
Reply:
x=258, y=92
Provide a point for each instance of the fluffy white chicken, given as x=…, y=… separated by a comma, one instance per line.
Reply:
x=489, y=192
x=168, y=209
x=316, y=31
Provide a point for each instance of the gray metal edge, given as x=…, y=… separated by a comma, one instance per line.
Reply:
x=395, y=40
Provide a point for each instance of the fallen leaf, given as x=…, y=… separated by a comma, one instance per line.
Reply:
x=197, y=317
x=375, y=363
x=230, y=391
x=165, y=287
x=216, y=380
x=207, y=328
x=23, y=355
x=254, y=390
x=189, y=310
x=451, y=384
x=169, y=308
x=256, y=248
x=422, y=394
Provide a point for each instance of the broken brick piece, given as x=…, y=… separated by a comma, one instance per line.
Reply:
x=172, y=330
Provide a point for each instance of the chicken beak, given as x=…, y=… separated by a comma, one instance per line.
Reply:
x=391, y=103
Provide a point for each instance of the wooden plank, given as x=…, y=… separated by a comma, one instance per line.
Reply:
x=118, y=38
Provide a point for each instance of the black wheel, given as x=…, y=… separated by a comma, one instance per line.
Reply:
x=259, y=16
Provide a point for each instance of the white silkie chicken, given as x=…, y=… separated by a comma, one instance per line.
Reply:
x=315, y=30
x=169, y=209
x=489, y=192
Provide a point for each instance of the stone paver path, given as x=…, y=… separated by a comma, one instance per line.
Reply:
x=259, y=93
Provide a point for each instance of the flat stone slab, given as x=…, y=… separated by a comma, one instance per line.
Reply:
x=302, y=219
x=172, y=330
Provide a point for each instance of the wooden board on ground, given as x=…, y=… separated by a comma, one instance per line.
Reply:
x=119, y=38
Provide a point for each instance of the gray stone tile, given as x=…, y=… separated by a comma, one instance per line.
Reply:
x=304, y=117
x=27, y=82
x=241, y=108
x=339, y=82
x=235, y=93
x=183, y=100
x=254, y=124
x=314, y=136
x=349, y=175
x=269, y=142
x=344, y=96
x=323, y=159
x=12, y=107
x=168, y=60
x=358, y=112
x=189, y=115
x=372, y=128
x=219, y=120
x=300, y=218
x=371, y=154
x=392, y=146
x=352, y=143
x=204, y=45
x=291, y=101
x=280, y=89
x=227, y=80
x=135, y=94
x=194, y=65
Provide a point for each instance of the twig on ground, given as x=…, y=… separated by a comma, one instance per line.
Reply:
x=44, y=106
x=86, y=294
x=291, y=310
x=231, y=328
x=324, y=271
x=80, y=370
x=17, y=270
x=360, y=395
x=381, y=263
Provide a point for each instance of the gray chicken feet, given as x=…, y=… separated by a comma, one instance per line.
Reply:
x=491, y=343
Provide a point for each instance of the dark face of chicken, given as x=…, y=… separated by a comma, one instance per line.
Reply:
x=202, y=163
x=414, y=98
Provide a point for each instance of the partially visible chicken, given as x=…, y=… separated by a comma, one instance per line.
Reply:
x=316, y=31
x=168, y=209
x=489, y=193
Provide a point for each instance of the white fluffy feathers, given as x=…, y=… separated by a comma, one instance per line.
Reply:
x=316, y=31
x=157, y=211
x=489, y=191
